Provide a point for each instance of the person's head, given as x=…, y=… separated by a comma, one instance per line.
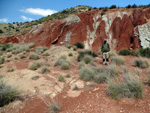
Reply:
x=105, y=41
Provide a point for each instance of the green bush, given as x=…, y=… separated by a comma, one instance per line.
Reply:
x=142, y=63
x=86, y=74
x=2, y=59
x=87, y=59
x=6, y=46
x=22, y=56
x=79, y=45
x=145, y=52
x=40, y=50
x=44, y=70
x=7, y=94
x=118, y=60
x=135, y=53
x=34, y=56
x=124, y=52
x=9, y=55
x=34, y=65
x=130, y=87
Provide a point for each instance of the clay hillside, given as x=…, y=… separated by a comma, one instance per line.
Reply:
x=54, y=64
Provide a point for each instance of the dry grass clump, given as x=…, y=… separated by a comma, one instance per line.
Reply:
x=2, y=59
x=34, y=56
x=7, y=94
x=62, y=61
x=10, y=70
x=65, y=66
x=81, y=64
x=22, y=56
x=86, y=74
x=148, y=74
x=34, y=65
x=54, y=107
x=141, y=63
x=118, y=60
x=131, y=86
x=113, y=53
x=44, y=70
x=61, y=78
x=39, y=50
x=112, y=71
x=87, y=59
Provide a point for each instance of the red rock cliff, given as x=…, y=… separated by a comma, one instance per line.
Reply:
x=117, y=25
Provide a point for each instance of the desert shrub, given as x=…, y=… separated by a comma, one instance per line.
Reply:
x=142, y=63
x=40, y=50
x=10, y=70
x=112, y=53
x=54, y=107
x=35, y=77
x=61, y=78
x=6, y=46
x=34, y=56
x=22, y=56
x=87, y=59
x=118, y=60
x=79, y=45
x=70, y=54
x=67, y=75
x=100, y=77
x=46, y=54
x=93, y=63
x=135, y=53
x=44, y=70
x=81, y=64
x=69, y=47
x=111, y=71
x=86, y=52
x=130, y=87
x=2, y=59
x=145, y=52
x=64, y=66
x=74, y=48
x=1, y=53
x=86, y=74
x=9, y=55
x=7, y=94
x=34, y=65
x=61, y=60
x=124, y=52
x=31, y=45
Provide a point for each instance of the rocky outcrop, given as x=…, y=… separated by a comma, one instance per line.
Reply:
x=124, y=28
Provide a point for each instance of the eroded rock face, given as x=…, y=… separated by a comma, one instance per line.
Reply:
x=122, y=27
x=144, y=35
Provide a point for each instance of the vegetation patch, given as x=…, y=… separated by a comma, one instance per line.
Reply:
x=87, y=59
x=54, y=107
x=142, y=63
x=34, y=65
x=118, y=60
x=130, y=87
x=10, y=70
x=40, y=50
x=2, y=59
x=7, y=94
x=61, y=78
x=44, y=70
x=64, y=66
x=124, y=52
x=79, y=45
x=34, y=56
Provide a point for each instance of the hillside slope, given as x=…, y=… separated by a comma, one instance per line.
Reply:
x=124, y=28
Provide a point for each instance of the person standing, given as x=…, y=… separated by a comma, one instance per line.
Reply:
x=105, y=48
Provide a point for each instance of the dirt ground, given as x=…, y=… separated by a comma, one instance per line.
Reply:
x=37, y=94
